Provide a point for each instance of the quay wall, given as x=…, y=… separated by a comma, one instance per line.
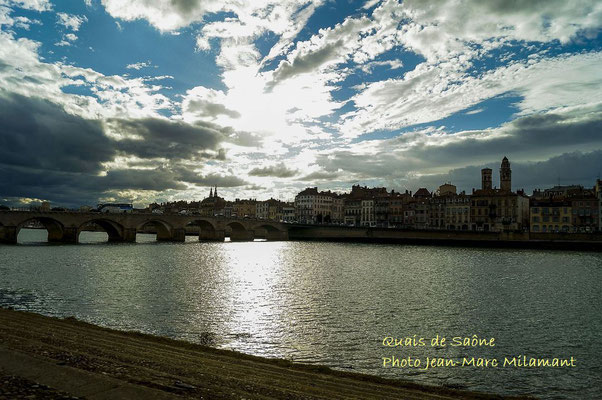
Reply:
x=571, y=241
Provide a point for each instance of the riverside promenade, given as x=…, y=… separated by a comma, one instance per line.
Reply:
x=56, y=358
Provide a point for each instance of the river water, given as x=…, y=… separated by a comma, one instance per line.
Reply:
x=334, y=303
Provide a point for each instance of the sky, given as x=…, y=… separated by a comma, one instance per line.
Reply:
x=143, y=101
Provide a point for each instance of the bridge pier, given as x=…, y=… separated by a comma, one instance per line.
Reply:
x=276, y=235
x=70, y=235
x=178, y=235
x=242, y=236
x=129, y=236
x=216, y=235
x=8, y=234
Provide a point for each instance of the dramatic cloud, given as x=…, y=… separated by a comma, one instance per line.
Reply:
x=430, y=152
x=277, y=171
x=224, y=181
x=205, y=103
x=161, y=138
x=39, y=134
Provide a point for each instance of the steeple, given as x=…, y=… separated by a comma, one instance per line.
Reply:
x=215, y=193
x=211, y=192
x=505, y=175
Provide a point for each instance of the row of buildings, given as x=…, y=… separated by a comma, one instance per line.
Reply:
x=485, y=209
x=559, y=209
x=215, y=205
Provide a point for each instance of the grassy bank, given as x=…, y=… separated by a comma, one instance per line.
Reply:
x=63, y=352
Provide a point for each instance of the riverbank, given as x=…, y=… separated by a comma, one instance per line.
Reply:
x=68, y=357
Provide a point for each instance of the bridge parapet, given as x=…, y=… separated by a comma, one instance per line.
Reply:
x=65, y=226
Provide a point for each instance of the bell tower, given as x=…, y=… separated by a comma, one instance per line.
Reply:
x=486, y=179
x=506, y=175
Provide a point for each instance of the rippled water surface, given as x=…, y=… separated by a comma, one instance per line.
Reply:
x=332, y=303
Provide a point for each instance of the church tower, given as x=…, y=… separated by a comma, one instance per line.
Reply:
x=215, y=192
x=486, y=179
x=211, y=192
x=506, y=175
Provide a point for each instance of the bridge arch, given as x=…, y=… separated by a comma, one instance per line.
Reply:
x=239, y=233
x=115, y=231
x=207, y=230
x=54, y=227
x=270, y=232
x=164, y=230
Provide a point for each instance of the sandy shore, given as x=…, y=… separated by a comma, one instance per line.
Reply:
x=57, y=358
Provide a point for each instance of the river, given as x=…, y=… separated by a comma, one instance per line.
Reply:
x=334, y=303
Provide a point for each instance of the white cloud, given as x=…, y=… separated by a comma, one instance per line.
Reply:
x=112, y=96
x=429, y=92
x=36, y=5
x=69, y=21
x=18, y=22
x=139, y=65
x=165, y=16
x=67, y=40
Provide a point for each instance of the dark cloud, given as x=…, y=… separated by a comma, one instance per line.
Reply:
x=245, y=139
x=205, y=108
x=74, y=189
x=277, y=171
x=190, y=176
x=566, y=169
x=39, y=134
x=161, y=138
x=305, y=63
x=47, y=153
x=157, y=179
x=320, y=176
x=414, y=153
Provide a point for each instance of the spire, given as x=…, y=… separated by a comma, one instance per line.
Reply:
x=211, y=192
x=215, y=193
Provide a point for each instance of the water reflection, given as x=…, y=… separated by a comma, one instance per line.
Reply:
x=331, y=303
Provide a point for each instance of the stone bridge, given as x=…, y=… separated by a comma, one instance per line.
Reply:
x=65, y=226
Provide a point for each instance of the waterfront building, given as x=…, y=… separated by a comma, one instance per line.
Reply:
x=270, y=209
x=352, y=211
x=361, y=204
x=550, y=215
x=337, y=212
x=409, y=214
x=367, y=216
x=558, y=192
x=262, y=209
x=446, y=188
x=244, y=208
x=288, y=213
x=457, y=212
x=397, y=201
x=312, y=206
x=450, y=210
x=585, y=211
x=422, y=208
x=228, y=209
x=437, y=212
x=493, y=209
